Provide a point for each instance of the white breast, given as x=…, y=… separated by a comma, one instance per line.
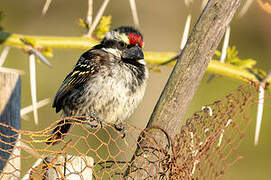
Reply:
x=113, y=99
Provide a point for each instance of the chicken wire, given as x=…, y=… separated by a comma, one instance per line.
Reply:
x=205, y=147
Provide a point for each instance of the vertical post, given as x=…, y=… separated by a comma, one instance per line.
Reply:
x=10, y=102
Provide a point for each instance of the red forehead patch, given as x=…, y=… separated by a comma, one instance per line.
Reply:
x=135, y=39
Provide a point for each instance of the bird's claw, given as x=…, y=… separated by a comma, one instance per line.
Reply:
x=120, y=128
x=90, y=119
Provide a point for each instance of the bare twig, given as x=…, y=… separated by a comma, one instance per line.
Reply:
x=98, y=17
x=151, y=57
x=30, y=108
x=46, y=6
x=90, y=12
x=33, y=85
x=195, y=58
x=186, y=31
x=260, y=107
x=134, y=13
x=243, y=11
x=225, y=45
x=259, y=115
x=40, y=56
x=188, y=2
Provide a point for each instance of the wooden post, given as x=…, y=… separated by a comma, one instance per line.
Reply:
x=10, y=102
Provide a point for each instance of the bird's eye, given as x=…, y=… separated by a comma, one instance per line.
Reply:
x=121, y=45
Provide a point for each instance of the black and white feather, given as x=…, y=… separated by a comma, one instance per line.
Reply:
x=108, y=80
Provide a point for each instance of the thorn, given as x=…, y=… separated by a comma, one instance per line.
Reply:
x=188, y=2
x=260, y=107
x=90, y=11
x=40, y=56
x=46, y=7
x=134, y=13
x=33, y=86
x=40, y=104
x=245, y=8
x=98, y=17
x=4, y=55
x=259, y=115
x=186, y=31
x=225, y=45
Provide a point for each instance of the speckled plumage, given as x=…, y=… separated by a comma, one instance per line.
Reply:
x=111, y=91
x=104, y=83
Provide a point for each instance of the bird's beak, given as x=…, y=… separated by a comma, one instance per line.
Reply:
x=135, y=53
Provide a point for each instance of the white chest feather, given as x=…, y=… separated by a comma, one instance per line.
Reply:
x=113, y=96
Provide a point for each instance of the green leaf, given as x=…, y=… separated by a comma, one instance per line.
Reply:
x=29, y=42
x=48, y=52
x=217, y=53
x=232, y=58
x=248, y=63
x=82, y=23
x=232, y=55
x=103, y=27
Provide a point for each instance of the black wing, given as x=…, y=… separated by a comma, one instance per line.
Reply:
x=88, y=64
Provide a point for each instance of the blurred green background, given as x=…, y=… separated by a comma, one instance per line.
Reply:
x=162, y=24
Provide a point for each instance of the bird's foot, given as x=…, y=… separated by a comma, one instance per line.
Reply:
x=91, y=120
x=121, y=129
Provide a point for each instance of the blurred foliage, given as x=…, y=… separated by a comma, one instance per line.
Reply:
x=103, y=27
x=45, y=51
x=29, y=42
x=249, y=64
x=48, y=52
x=83, y=23
x=234, y=59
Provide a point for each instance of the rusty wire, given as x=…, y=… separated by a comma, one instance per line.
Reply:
x=205, y=148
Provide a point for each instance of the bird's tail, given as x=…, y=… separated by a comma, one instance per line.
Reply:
x=59, y=132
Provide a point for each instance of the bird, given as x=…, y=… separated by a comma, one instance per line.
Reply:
x=108, y=81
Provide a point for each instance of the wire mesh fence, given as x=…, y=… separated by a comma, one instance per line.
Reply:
x=205, y=147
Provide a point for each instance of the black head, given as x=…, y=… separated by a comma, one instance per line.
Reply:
x=126, y=34
x=125, y=42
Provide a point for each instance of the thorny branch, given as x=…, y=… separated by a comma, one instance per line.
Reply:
x=155, y=58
